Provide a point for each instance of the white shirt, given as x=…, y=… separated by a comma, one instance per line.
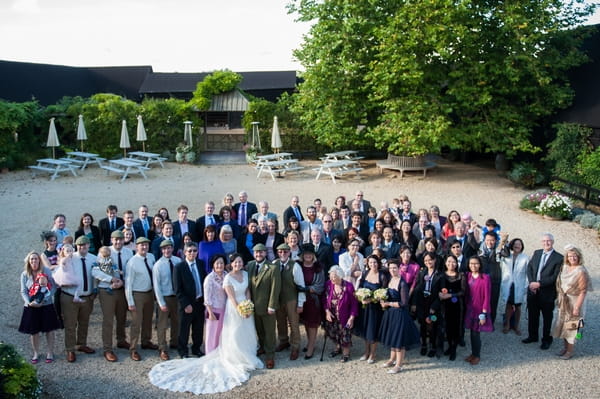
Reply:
x=138, y=278
x=126, y=254
x=78, y=270
x=163, y=282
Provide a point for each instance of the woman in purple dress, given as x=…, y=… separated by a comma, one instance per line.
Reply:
x=210, y=246
x=314, y=280
x=477, y=299
x=215, y=299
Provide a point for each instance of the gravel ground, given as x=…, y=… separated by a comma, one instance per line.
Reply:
x=508, y=368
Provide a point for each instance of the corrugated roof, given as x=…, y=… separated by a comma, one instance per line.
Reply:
x=230, y=101
x=163, y=82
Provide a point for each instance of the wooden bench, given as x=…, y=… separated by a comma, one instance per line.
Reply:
x=405, y=164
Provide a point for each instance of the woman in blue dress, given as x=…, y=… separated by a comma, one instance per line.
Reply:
x=398, y=330
x=369, y=318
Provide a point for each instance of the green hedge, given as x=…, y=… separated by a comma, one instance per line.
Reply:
x=18, y=379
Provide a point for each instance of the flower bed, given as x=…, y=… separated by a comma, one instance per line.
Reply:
x=550, y=204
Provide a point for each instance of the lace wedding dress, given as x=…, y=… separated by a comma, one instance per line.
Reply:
x=222, y=369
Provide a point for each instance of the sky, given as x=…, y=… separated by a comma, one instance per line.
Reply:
x=171, y=36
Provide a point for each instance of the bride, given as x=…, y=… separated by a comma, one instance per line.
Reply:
x=228, y=365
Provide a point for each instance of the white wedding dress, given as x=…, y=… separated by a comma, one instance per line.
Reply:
x=222, y=369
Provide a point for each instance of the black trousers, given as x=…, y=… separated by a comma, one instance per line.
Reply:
x=535, y=306
x=195, y=322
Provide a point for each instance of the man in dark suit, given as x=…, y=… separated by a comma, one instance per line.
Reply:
x=328, y=231
x=292, y=210
x=455, y=248
x=183, y=225
x=357, y=222
x=323, y=252
x=209, y=218
x=143, y=224
x=359, y=203
x=189, y=278
x=166, y=234
x=469, y=244
x=490, y=265
x=344, y=221
x=244, y=209
x=407, y=214
x=128, y=224
x=542, y=272
x=109, y=224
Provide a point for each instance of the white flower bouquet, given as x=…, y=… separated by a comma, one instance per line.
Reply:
x=245, y=308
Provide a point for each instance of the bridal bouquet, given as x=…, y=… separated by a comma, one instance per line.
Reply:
x=245, y=308
x=362, y=294
x=380, y=295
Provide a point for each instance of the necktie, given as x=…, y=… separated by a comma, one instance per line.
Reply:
x=542, y=264
x=211, y=220
x=172, y=279
x=194, y=271
x=243, y=215
x=113, y=226
x=120, y=264
x=85, y=279
x=145, y=224
x=149, y=271
x=297, y=212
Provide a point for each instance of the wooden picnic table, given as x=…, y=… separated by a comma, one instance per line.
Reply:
x=147, y=158
x=279, y=167
x=125, y=167
x=348, y=155
x=83, y=158
x=52, y=166
x=337, y=169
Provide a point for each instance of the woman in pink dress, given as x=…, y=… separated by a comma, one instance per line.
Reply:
x=214, y=301
x=477, y=299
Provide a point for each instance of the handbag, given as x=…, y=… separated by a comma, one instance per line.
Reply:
x=573, y=324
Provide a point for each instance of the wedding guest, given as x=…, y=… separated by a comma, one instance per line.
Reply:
x=426, y=304
x=120, y=256
x=452, y=293
x=374, y=241
x=292, y=225
x=490, y=265
x=49, y=257
x=293, y=241
x=226, y=219
x=514, y=281
x=409, y=269
x=448, y=227
x=227, y=241
x=215, y=299
x=352, y=262
x=228, y=201
x=341, y=309
x=398, y=331
x=156, y=227
x=369, y=317
x=248, y=239
x=164, y=212
x=314, y=280
x=436, y=220
x=337, y=245
x=209, y=246
x=272, y=239
x=59, y=227
x=38, y=317
x=128, y=241
x=573, y=284
x=477, y=300
x=406, y=236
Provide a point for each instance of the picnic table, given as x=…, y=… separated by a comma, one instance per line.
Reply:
x=272, y=157
x=83, y=158
x=147, y=158
x=337, y=169
x=347, y=155
x=279, y=167
x=125, y=167
x=52, y=166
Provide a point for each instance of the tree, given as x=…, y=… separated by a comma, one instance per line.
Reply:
x=420, y=75
x=215, y=83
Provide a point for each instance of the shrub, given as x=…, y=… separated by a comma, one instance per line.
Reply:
x=565, y=149
x=531, y=201
x=589, y=166
x=527, y=174
x=18, y=379
x=556, y=205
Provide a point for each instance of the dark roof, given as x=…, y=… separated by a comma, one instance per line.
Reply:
x=186, y=82
x=231, y=101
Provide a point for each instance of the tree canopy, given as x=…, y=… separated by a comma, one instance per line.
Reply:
x=421, y=75
x=215, y=83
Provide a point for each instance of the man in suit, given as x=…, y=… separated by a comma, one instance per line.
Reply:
x=143, y=224
x=328, y=231
x=189, y=279
x=356, y=221
x=244, y=209
x=263, y=212
x=390, y=248
x=265, y=287
x=183, y=225
x=542, y=272
x=490, y=265
x=344, y=221
x=455, y=248
x=359, y=203
x=109, y=224
x=292, y=210
x=469, y=244
x=311, y=223
x=166, y=234
x=128, y=224
x=291, y=302
x=209, y=218
x=323, y=252
x=407, y=214
x=120, y=256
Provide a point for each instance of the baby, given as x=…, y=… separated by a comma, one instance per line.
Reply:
x=40, y=290
x=105, y=264
x=65, y=274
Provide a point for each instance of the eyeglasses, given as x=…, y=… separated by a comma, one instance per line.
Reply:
x=190, y=251
x=326, y=221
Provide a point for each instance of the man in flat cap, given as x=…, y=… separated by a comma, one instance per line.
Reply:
x=265, y=286
x=120, y=256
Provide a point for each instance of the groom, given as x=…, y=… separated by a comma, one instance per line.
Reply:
x=265, y=285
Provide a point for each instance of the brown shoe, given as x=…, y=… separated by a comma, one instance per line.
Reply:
x=294, y=354
x=164, y=355
x=282, y=347
x=270, y=363
x=135, y=356
x=86, y=349
x=123, y=345
x=259, y=352
x=71, y=357
x=474, y=361
x=469, y=358
x=149, y=345
x=110, y=356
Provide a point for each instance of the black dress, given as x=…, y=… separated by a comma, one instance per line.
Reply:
x=398, y=329
x=369, y=317
x=453, y=308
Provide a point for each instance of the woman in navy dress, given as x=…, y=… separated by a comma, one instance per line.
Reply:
x=452, y=296
x=398, y=330
x=369, y=319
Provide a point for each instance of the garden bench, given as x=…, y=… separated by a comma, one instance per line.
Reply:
x=405, y=164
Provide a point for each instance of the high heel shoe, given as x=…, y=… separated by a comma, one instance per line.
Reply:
x=567, y=355
x=395, y=370
x=387, y=364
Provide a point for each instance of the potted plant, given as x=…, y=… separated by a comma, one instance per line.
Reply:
x=184, y=153
x=251, y=153
x=530, y=202
x=555, y=206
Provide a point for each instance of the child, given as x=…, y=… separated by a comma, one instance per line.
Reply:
x=105, y=264
x=372, y=215
x=64, y=274
x=40, y=290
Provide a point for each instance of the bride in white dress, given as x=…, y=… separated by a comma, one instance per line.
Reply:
x=227, y=366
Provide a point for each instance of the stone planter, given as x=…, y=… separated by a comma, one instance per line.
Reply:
x=190, y=157
x=548, y=217
x=179, y=157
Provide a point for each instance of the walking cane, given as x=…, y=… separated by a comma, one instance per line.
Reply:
x=324, y=341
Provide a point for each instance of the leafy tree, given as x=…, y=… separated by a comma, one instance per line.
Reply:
x=469, y=74
x=215, y=83
x=20, y=137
